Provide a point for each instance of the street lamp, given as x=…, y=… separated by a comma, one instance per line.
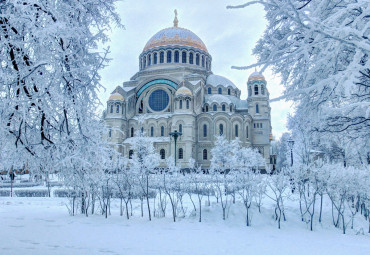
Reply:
x=291, y=144
x=175, y=135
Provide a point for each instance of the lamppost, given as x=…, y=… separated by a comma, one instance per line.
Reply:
x=175, y=135
x=291, y=144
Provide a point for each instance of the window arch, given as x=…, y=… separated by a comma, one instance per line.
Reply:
x=262, y=89
x=220, y=91
x=132, y=132
x=162, y=130
x=169, y=56
x=151, y=131
x=215, y=108
x=117, y=108
x=231, y=108
x=209, y=91
x=187, y=104
x=155, y=58
x=181, y=153
x=177, y=56
x=236, y=130
x=204, y=130
x=162, y=152
x=191, y=58
x=205, y=154
x=257, y=109
x=180, y=104
x=197, y=59
x=228, y=92
x=130, y=153
x=256, y=90
x=161, y=57
x=111, y=109
x=184, y=57
x=223, y=108
x=221, y=128
x=206, y=108
x=180, y=128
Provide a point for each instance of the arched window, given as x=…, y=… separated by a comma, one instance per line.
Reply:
x=223, y=108
x=180, y=104
x=169, y=56
x=249, y=91
x=161, y=57
x=162, y=152
x=197, y=59
x=209, y=91
x=110, y=132
x=204, y=130
x=236, y=131
x=215, y=108
x=155, y=59
x=247, y=132
x=181, y=153
x=117, y=108
x=151, y=131
x=260, y=125
x=187, y=104
x=220, y=91
x=180, y=128
x=257, y=109
x=228, y=92
x=144, y=62
x=149, y=59
x=221, y=127
x=177, y=56
x=262, y=90
x=231, y=108
x=111, y=109
x=202, y=61
x=142, y=130
x=191, y=58
x=256, y=90
x=206, y=108
x=205, y=156
x=162, y=130
x=130, y=153
x=132, y=132
x=184, y=57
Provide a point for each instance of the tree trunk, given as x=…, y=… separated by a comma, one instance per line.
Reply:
x=147, y=196
x=200, y=211
x=121, y=208
x=321, y=195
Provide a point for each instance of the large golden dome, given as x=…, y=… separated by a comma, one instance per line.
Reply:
x=175, y=36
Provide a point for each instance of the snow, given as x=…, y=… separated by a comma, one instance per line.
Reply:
x=194, y=83
x=130, y=140
x=43, y=226
x=217, y=80
x=127, y=89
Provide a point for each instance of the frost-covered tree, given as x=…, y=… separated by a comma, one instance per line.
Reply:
x=49, y=79
x=321, y=50
x=144, y=162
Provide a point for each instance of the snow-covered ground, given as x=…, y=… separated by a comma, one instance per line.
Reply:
x=43, y=226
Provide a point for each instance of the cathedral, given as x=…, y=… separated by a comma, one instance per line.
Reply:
x=175, y=90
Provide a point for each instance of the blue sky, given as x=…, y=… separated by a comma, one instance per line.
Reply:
x=229, y=35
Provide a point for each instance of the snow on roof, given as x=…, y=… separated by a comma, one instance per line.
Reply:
x=216, y=80
x=127, y=89
x=239, y=104
x=152, y=116
x=194, y=82
x=131, y=140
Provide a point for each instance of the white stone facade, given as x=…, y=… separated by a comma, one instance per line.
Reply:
x=175, y=89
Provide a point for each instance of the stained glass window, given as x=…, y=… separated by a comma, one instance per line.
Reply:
x=158, y=100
